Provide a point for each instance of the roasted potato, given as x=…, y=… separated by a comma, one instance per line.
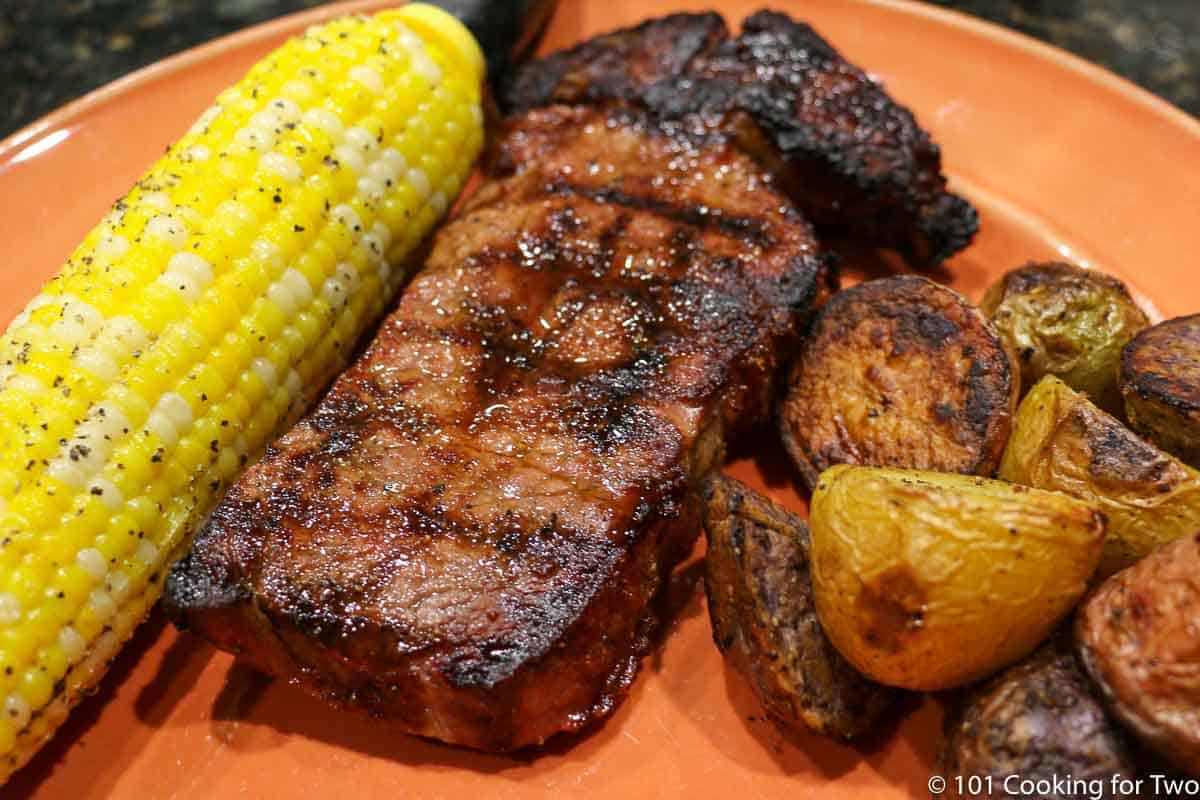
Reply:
x=1139, y=638
x=1160, y=381
x=763, y=619
x=1039, y=719
x=899, y=372
x=1066, y=321
x=929, y=580
x=1062, y=442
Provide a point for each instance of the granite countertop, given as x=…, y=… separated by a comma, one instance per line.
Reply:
x=52, y=51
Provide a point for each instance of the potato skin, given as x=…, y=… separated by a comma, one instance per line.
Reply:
x=1139, y=639
x=931, y=581
x=899, y=372
x=763, y=619
x=1062, y=442
x=1039, y=719
x=1160, y=382
x=1066, y=321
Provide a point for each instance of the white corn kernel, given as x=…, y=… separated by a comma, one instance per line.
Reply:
x=298, y=285
x=72, y=644
x=265, y=371
x=383, y=171
x=176, y=408
x=372, y=188
x=346, y=216
x=117, y=585
x=111, y=246
x=92, y=562
x=158, y=201
x=197, y=152
x=188, y=288
x=368, y=78
x=102, y=604
x=97, y=363
x=147, y=552
x=168, y=229
x=419, y=181
x=383, y=234
x=268, y=253
x=363, y=140
x=281, y=165
x=17, y=709
x=395, y=161
x=10, y=609
x=66, y=471
x=281, y=295
x=325, y=121
x=25, y=383
x=255, y=138
x=350, y=157
x=107, y=492
x=161, y=426
x=192, y=265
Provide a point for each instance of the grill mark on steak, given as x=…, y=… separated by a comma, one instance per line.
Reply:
x=853, y=159
x=466, y=534
x=748, y=229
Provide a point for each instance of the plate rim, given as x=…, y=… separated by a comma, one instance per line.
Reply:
x=63, y=117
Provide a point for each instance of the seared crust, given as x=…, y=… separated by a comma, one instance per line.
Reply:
x=1160, y=381
x=761, y=605
x=1039, y=720
x=1138, y=639
x=617, y=65
x=467, y=532
x=856, y=161
x=899, y=372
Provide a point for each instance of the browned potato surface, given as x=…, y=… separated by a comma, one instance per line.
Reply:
x=763, y=618
x=1066, y=321
x=1062, y=441
x=1160, y=381
x=900, y=372
x=1038, y=720
x=1139, y=638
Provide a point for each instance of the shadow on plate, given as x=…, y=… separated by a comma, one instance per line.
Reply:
x=29, y=778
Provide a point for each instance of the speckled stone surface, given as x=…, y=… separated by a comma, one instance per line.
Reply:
x=52, y=51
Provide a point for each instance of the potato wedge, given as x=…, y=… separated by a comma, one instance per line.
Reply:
x=1066, y=321
x=1063, y=442
x=761, y=605
x=1160, y=381
x=1139, y=638
x=900, y=372
x=929, y=580
x=1039, y=719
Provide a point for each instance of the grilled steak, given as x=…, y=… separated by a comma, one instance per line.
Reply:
x=467, y=533
x=853, y=159
x=765, y=622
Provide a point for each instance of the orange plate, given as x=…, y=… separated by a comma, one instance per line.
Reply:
x=1062, y=158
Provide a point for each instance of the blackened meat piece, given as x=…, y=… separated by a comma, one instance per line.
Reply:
x=854, y=160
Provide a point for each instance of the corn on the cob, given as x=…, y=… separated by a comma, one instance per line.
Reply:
x=199, y=318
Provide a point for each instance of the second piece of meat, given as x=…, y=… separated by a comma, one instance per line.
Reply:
x=855, y=161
